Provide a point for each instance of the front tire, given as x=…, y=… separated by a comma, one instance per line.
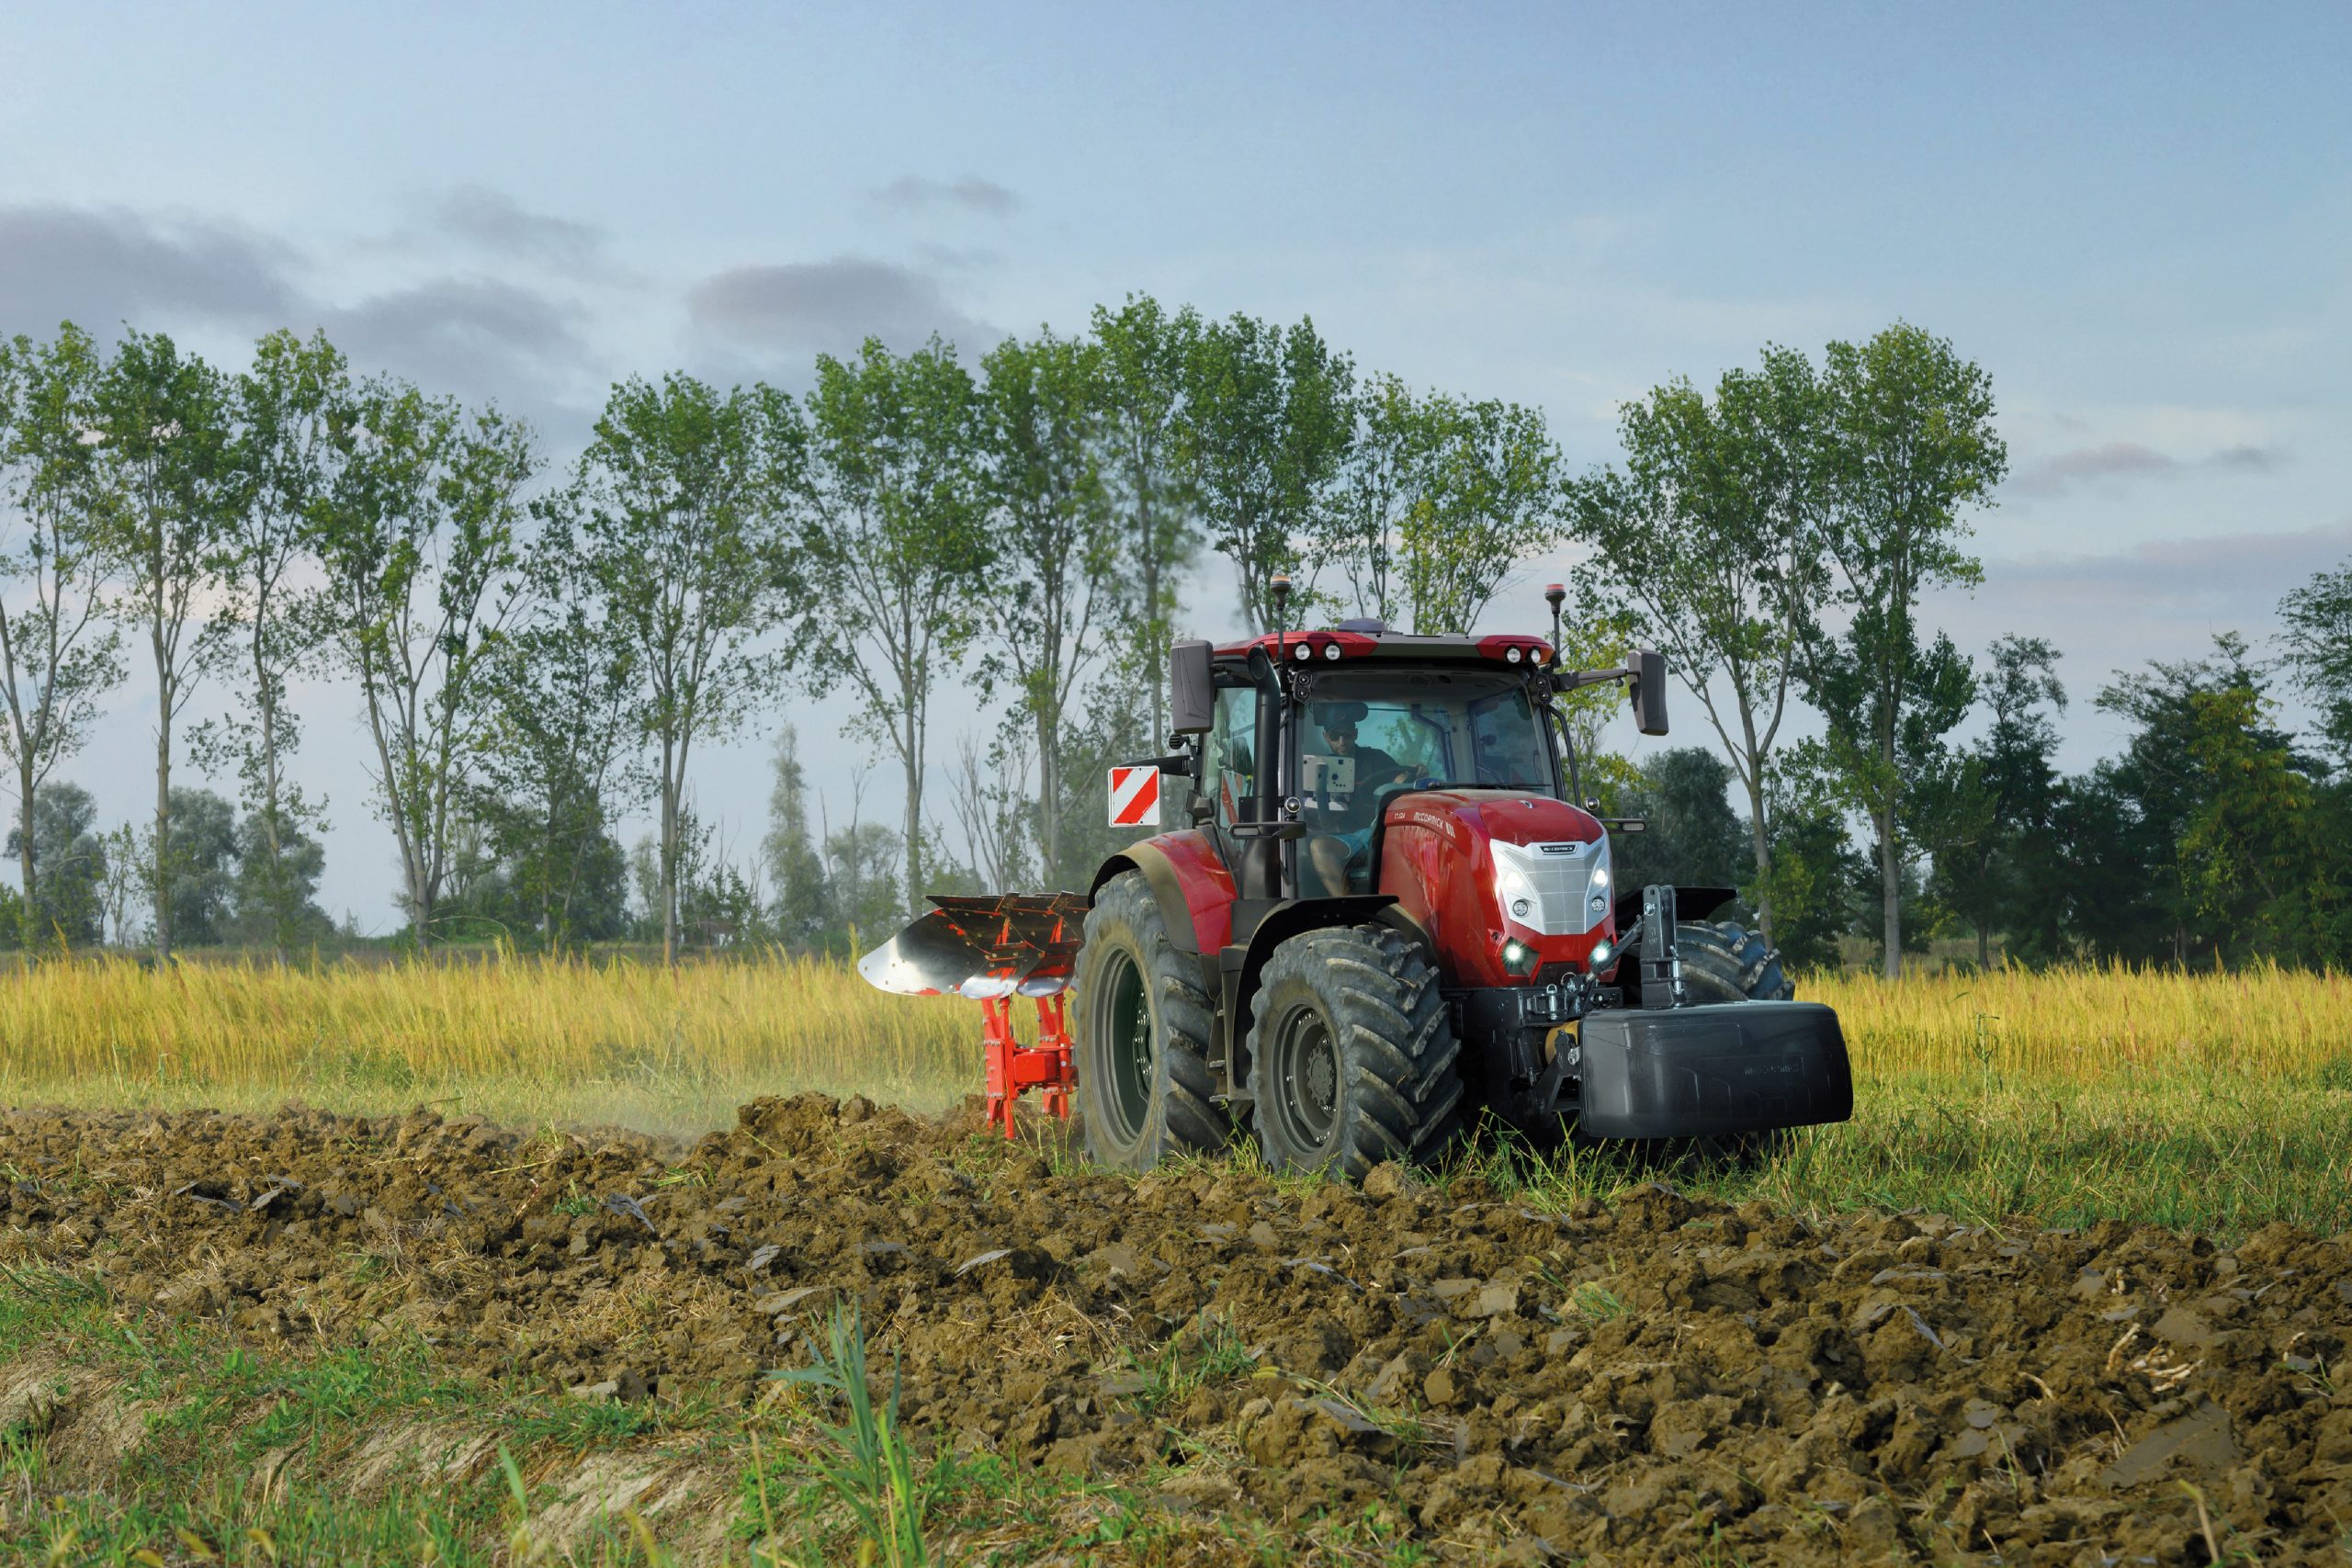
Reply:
x=1352, y=1061
x=1143, y=1085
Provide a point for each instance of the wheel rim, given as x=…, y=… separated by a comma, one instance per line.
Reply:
x=1306, y=1076
x=1128, y=1046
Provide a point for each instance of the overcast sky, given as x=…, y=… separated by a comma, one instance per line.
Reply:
x=2137, y=218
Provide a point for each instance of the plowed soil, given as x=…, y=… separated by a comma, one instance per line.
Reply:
x=1657, y=1379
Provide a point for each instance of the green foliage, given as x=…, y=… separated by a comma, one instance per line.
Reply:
x=418, y=539
x=1055, y=546
x=1988, y=816
x=895, y=547
x=59, y=654
x=795, y=870
x=273, y=899
x=284, y=407
x=2317, y=640
x=519, y=664
x=559, y=752
x=162, y=428
x=870, y=1467
x=1145, y=356
x=2209, y=840
x=1814, y=867
x=680, y=511
x=69, y=861
x=1269, y=417
x=1907, y=442
x=1691, y=836
x=202, y=866
x=1710, y=543
x=1440, y=498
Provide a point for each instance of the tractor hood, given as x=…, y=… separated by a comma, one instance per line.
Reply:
x=1483, y=869
x=1472, y=819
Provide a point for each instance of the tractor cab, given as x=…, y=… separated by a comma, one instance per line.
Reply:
x=1376, y=729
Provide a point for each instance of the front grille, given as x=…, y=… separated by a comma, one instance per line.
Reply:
x=1561, y=878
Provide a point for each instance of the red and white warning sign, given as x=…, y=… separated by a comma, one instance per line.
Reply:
x=1135, y=797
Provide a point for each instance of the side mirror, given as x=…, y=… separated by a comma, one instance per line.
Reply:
x=1191, y=689
x=1649, y=691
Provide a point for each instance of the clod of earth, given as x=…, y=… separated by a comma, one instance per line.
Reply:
x=1655, y=1381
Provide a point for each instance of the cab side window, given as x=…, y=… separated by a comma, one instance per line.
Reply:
x=1507, y=743
x=1232, y=762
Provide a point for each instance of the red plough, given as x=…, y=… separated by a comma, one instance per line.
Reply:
x=992, y=949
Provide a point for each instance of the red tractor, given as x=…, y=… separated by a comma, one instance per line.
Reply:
x=1390, y=911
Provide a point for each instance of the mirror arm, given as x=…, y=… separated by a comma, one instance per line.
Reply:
x=1185, y=761
x=1577, y=680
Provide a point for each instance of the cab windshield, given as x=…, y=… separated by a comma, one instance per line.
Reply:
x=1473, y=729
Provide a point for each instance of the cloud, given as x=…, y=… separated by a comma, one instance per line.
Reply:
x=98, y=267
x=2117, y=460
x=913, y=193
x=473, y=335
x=830, y=307
x=493, y=221
x=2158, y=599
x=2252, y=459
x=2125, y=460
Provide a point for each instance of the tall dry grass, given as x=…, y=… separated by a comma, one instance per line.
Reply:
x=2205, y=1102
x=574, y=1039
x=527, y=1039
x=2095, y=1024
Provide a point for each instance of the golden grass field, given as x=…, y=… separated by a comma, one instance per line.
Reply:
x=2194, y=1099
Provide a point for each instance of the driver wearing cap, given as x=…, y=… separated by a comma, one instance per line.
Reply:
x=1337, y=857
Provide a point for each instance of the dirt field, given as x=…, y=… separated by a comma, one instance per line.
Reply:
x=1655, y=1378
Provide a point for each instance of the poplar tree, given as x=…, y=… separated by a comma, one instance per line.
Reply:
x=1145, y=352
x=419, y=547
x=284, y=459
x=59, y=654
x=161, y=420
x=1712, y=537
x=1267, y=423
x=683, y=503
x=1052, y=530
x=1908, y=443
x=895, y=548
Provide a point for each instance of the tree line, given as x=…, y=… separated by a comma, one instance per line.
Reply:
x=535, y=651
x=1775, y=534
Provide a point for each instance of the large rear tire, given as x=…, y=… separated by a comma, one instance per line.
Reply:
x=1352, y=1061
x=1143, y=1085
x=1723, y=962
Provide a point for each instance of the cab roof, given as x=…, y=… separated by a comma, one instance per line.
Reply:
x=1360, y=640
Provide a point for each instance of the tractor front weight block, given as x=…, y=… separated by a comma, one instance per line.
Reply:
x=1699, y=1071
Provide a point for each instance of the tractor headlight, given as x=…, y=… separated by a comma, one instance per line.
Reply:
x=1512, y=655
x=1330, y=650
x=1515, y=892
x=1518, y=958
x=1602, y=951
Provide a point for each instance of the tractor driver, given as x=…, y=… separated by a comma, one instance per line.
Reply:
x=1337, y=856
